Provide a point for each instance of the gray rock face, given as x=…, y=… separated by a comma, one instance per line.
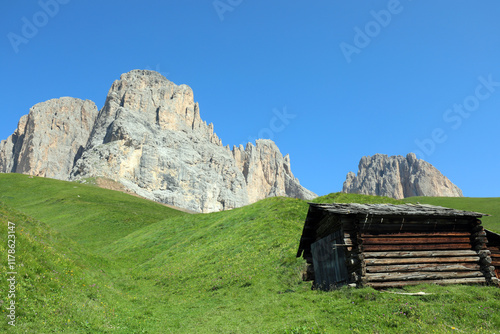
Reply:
x=399, y=177
x=267, y=172
x=149, y=137
x=49, y=139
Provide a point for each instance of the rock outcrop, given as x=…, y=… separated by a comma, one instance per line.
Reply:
x=49, y=140
x=149, y=137
x=399, y=177
x=267, y=173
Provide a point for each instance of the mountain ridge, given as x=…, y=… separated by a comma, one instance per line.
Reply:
x=399, y=177
x=149, y=137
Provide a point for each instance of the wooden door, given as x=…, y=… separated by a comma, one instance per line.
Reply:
x=329, y=261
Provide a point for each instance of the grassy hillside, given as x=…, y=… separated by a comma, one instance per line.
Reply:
x=58, y=286
x=489, y=206
x=89, y=215
x=145, y=268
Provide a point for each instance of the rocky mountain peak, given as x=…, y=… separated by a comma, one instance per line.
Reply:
x=150, y=96
x=398, y=177
x=49, y=139
x=267, y=173
x=150, y=138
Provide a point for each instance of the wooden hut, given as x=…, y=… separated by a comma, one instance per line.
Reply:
x=385, y=245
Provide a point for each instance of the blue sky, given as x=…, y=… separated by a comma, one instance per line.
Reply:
x=347, y=78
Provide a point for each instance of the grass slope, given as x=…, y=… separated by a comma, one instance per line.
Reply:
x=59, y=288
x=89, y=215
x=170, y=272
x=488, y=205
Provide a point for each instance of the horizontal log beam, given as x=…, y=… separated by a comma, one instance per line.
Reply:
x=423, y=267
x=423, y=275
x=398, y=284
x=432, y=253
x=382, y=261
x=417, y=234
x=420, y=240
x=418, y=221
x=368, y=248
x=398, y=228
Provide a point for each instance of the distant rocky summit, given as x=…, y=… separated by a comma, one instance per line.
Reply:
x=149, y=137
x=399, y=177
x=49, y=139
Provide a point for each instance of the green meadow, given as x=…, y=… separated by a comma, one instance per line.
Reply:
x=91, y=260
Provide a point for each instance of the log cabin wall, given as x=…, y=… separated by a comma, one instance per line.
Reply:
x=400, y=251
x=386, y=246
x=494, y=248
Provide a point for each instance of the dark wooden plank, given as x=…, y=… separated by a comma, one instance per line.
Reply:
x=381, y=261
x=422, y=275
x=414, y=247
x=431, y=253
x=423, y=267
x=417, y=234
x=419, y=240
x=397, y=284
x=422, y=221
x=394, y=228
x=329, y=262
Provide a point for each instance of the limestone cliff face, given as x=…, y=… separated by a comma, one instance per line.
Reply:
x=149, y=96
x=399, y=177
x=267, y=172
x=149, y=137
x=49, y=139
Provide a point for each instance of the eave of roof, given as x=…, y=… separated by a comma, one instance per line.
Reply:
x=394, y=210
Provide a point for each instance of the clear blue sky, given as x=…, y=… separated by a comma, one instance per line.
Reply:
x=358, y=77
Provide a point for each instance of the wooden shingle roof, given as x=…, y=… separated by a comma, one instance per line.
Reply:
x=394, y=210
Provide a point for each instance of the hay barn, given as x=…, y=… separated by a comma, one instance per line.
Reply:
x=385, y=245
